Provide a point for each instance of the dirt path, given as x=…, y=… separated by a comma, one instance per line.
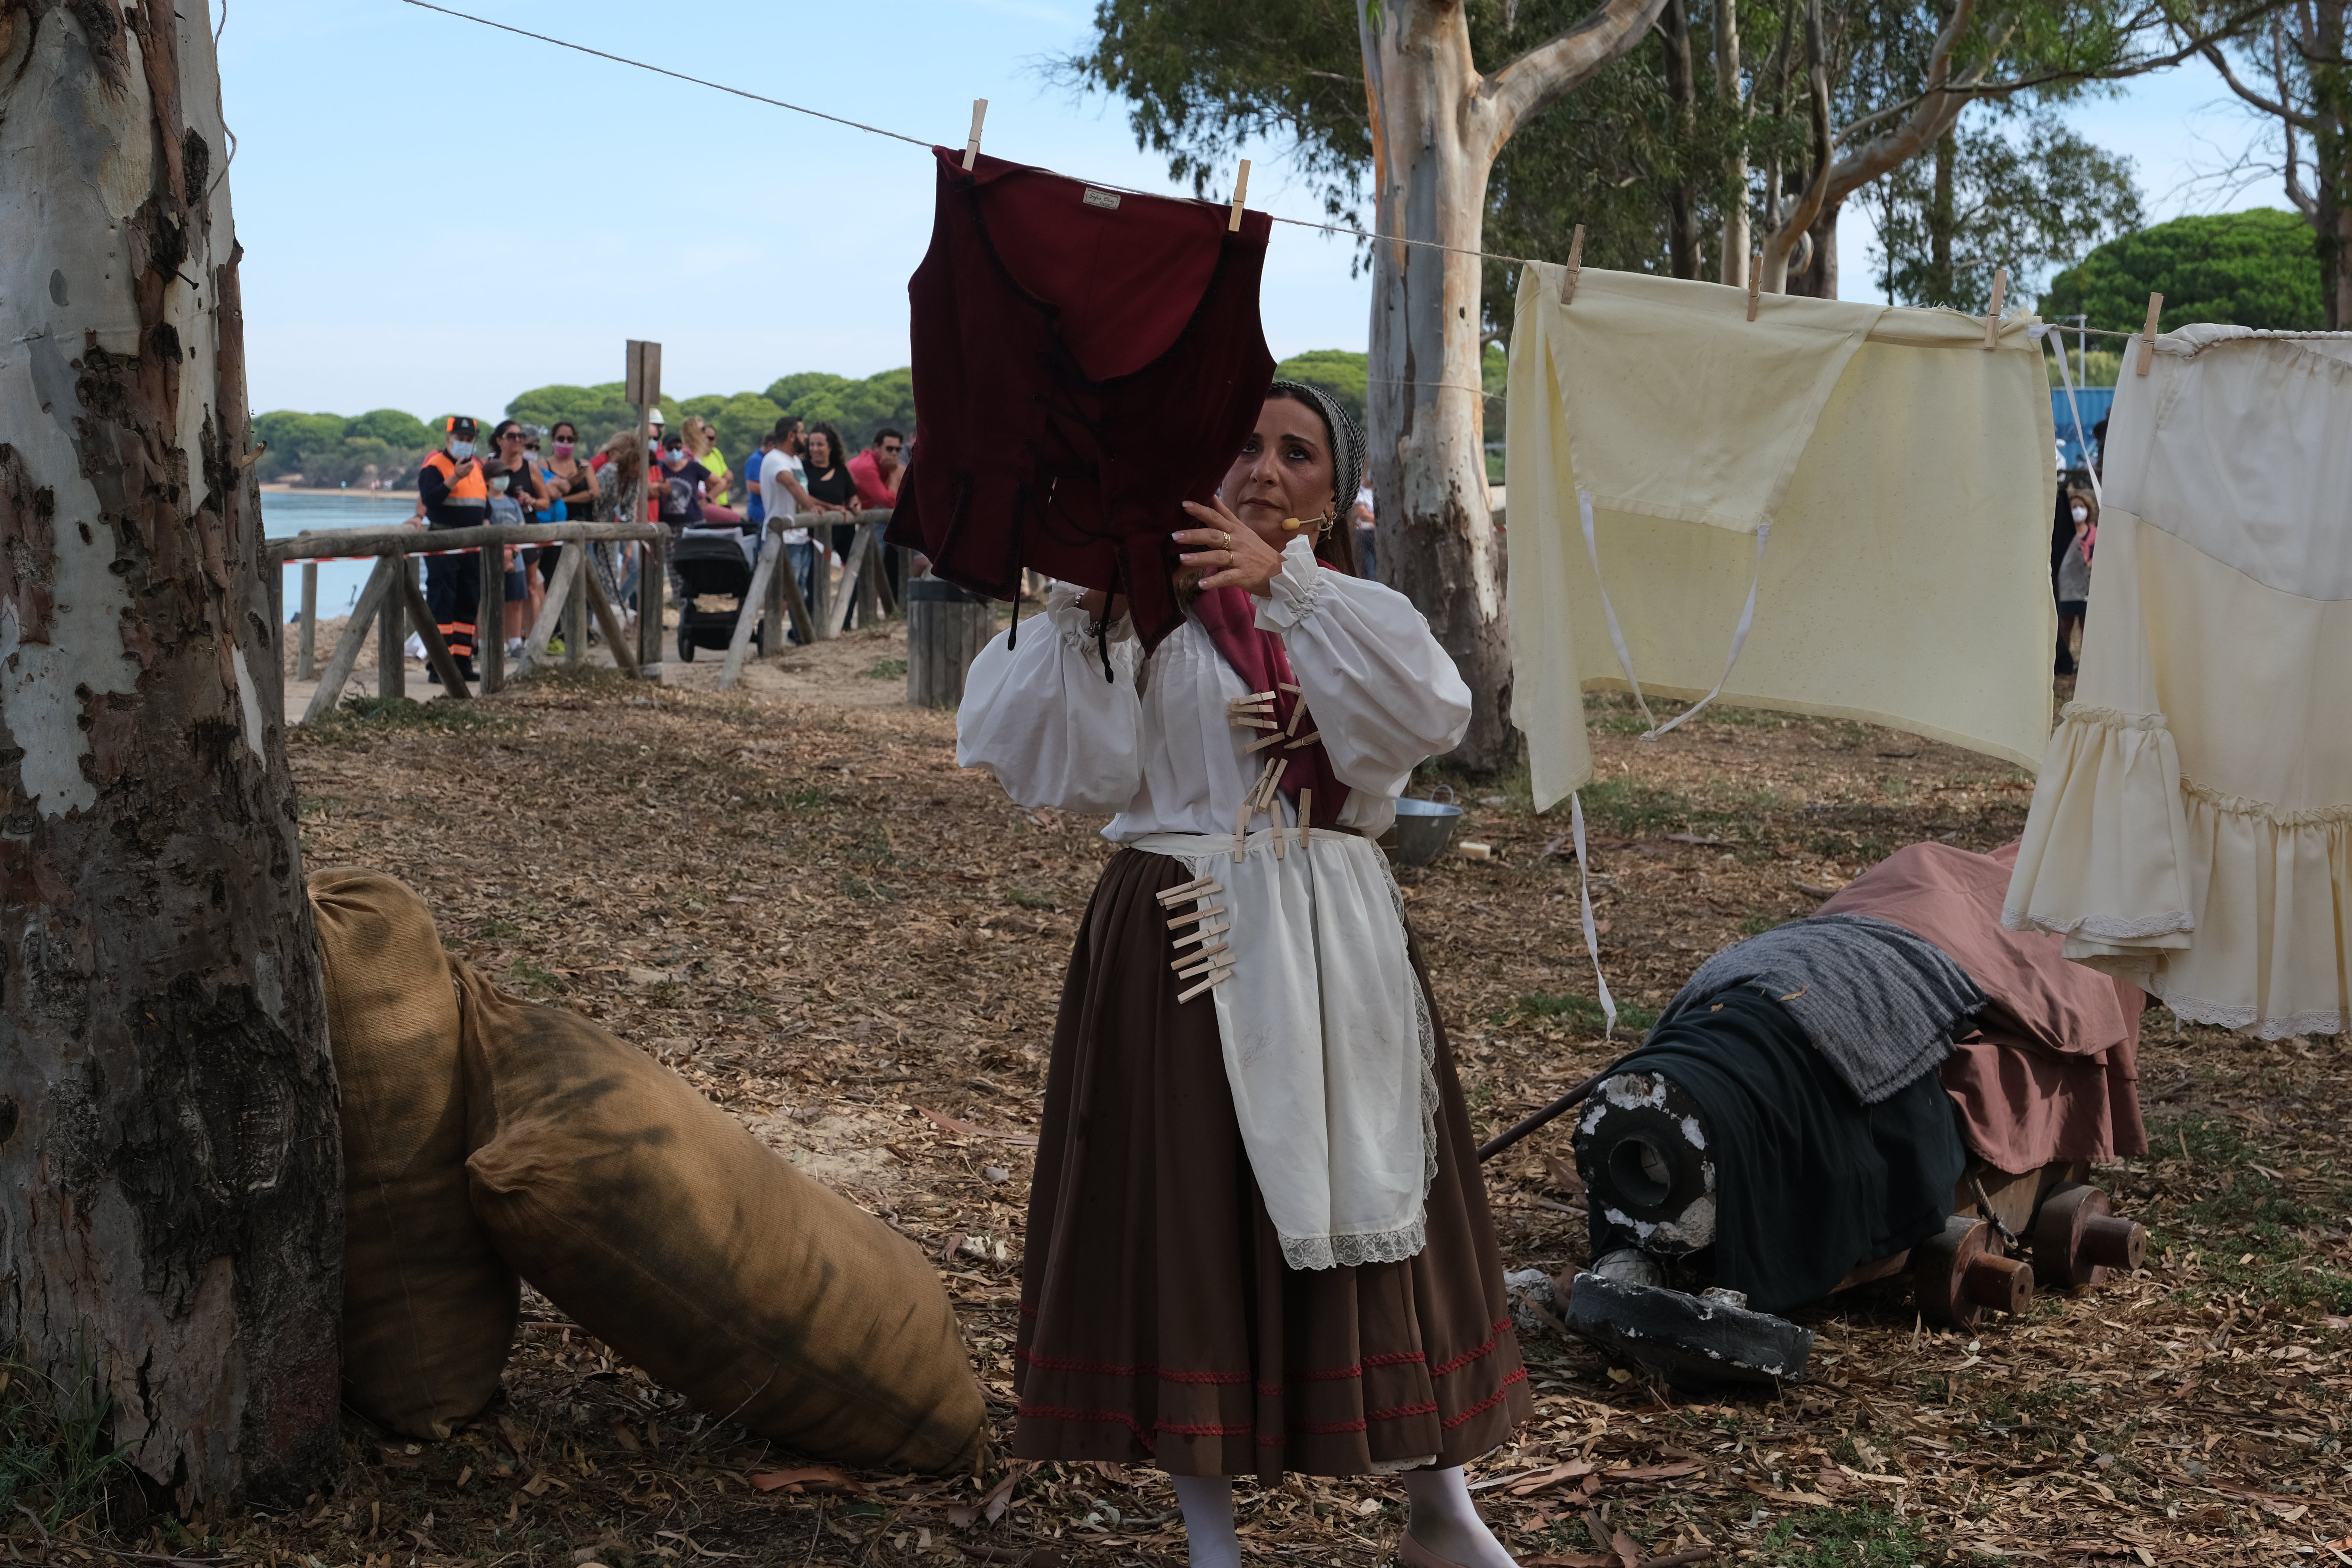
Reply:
x=793, y=895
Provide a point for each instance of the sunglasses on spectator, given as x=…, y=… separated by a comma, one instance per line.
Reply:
x=511, y=436
x=890, y=445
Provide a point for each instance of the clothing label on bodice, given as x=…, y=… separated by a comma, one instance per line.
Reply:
x=1106, y=200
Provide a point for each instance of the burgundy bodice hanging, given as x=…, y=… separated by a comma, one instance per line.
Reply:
x=1085, y=362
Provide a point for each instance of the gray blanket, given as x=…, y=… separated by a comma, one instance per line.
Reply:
x=1882, y=1005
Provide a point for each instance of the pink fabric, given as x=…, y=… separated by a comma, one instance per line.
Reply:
x=1230, y=618
x=2053, y=1073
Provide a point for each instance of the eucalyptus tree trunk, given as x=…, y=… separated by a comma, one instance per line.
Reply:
x=168, y=1134
x=1437, y=124
x=1732, y=264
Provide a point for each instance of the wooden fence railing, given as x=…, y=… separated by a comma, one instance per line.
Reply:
x=392, y=598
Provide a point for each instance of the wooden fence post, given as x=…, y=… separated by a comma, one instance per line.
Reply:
x=946, y=629
x=306, y=650
x=576, y=609
x=861, y=550
x=355, y=630
x=653, y=584
x=748, y=615
x=772, y=606
x=490, y=621
x=436, y=652
x=550, y=611
x=392, y=639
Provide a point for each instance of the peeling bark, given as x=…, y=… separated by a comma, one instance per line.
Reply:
x=168, y=1141
x=1437, y=125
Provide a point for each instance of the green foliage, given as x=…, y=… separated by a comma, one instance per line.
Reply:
x=741, y=421
x=2258, y=269
x=1342, y=374
x=393, y=429
x=598, y=412
x=328, y=450
x=1866, y=1537
x=887, y=669
x=1578, y=1012
x=1625, y=151
x=856, y=408
x=1027, y=900
x=54, y=1451
x=2097, y=368
x=2023, y=191
x=360, y=716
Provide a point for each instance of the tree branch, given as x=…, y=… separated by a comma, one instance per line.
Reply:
x=1552, y=70
x=2277, y=110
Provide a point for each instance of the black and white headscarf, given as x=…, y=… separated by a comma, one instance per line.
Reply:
x=1347, y=443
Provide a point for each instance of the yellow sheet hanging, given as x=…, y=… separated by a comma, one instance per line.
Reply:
x=1906, y=474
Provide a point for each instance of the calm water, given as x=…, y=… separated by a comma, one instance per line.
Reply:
x=339, y=580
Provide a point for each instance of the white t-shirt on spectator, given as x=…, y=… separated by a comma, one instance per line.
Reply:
x=775, y=497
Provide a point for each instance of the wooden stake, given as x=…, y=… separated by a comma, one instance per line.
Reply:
x=1755, y=282
x=1575, y=265
x=2147, y=338
x=1241, y=190
x=971, y=147
x=1992, y=321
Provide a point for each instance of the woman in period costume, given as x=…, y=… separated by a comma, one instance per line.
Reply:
x=1258, y=1240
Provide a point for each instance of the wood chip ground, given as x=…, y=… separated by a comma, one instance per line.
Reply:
x=806, y=907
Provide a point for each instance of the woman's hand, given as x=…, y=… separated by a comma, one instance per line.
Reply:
x=1228, y=551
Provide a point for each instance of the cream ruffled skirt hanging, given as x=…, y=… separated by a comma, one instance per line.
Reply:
x=2191, y=831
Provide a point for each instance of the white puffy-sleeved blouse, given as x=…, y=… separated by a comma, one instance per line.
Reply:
x=1153, y=745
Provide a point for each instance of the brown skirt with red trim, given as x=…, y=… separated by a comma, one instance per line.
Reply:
x=1158, y=1323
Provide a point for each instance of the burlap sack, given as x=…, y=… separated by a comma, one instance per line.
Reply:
x=674, y=1235
x=428, y=1305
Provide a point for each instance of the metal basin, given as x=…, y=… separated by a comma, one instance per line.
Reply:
x=1423, y=828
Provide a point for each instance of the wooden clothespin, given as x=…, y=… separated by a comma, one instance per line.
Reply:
x=1992, y=321
x=1196, y=916
x=1241, y=192
x=1198, y=888
x=971, y=147
x=1755, y=282
x=2147, y=338
x=1575, y=265
x=1305, y=815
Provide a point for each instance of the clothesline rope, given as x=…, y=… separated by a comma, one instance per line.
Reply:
x=1349, y=230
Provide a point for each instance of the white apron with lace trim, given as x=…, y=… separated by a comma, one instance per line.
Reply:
x=2191, y=831
x=1328, y=1047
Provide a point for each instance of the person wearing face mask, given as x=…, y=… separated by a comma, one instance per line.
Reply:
x=571, y=482
x=2074, y=574
x=456, y=494
x=518, y=495
x=1258, y=1241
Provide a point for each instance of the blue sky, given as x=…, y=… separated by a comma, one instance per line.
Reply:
x=434, y=214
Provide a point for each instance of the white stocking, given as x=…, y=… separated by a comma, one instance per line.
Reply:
x=1446, y=1521
x=1208, y=1505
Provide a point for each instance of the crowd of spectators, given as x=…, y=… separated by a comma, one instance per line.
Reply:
x=801, y=471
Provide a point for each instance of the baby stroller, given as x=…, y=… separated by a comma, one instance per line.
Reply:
x=712, y=577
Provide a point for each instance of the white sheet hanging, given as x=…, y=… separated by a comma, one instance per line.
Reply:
x=2192, y=829
x=1903, y=472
